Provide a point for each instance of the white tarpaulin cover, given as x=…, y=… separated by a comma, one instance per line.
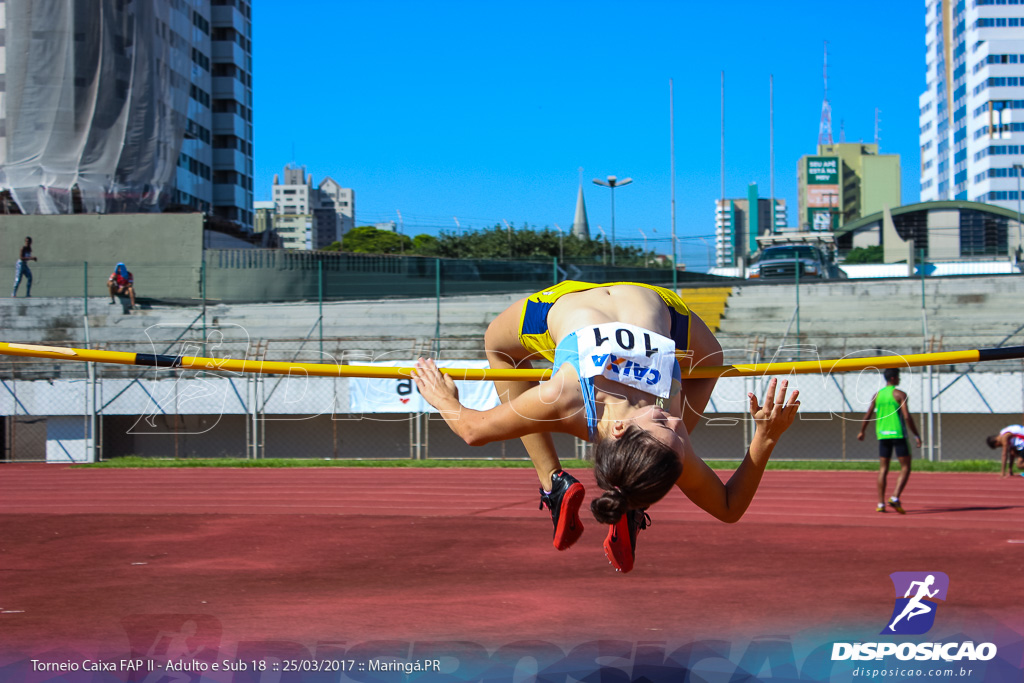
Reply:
x=96, y=96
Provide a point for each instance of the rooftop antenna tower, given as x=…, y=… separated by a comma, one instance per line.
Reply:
x=825, y=129
x=878, y=129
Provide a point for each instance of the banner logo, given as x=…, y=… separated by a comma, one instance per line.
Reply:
x=916, y=601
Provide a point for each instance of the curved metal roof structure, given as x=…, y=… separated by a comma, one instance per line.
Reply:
x=925, y=207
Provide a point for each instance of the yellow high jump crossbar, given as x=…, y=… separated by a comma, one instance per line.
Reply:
x=816, y=367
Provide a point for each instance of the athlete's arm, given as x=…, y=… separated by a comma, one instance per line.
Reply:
x=538, y=409
x=867, y=417
x=910, y=588
x=730, y=500
x=904, y=401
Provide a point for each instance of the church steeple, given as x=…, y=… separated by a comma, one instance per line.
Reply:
x=580, y=227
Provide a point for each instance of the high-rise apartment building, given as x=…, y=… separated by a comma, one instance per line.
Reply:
x=145, y=104
x=737, y=226
x=972, y=112
x=308, y=217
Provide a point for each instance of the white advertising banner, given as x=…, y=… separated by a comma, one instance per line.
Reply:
x=401, y=395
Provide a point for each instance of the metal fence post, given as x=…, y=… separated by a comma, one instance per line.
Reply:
x=320, y=300
x=796, y=260
x=90, y=383
x=929, y=372
x=202, y=287
x=437, y=326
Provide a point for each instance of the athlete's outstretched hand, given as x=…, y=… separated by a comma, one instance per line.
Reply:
x=778, y=413
x=437, y=388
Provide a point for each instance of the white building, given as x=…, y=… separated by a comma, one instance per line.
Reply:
x=342, y=200
x=972, y=113
x=308, y=217
x=152, y=106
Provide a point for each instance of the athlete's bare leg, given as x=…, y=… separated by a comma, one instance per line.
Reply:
x=505, y=352
x=883, y=473
x=904, y=476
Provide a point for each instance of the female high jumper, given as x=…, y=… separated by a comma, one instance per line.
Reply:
x=616, y=382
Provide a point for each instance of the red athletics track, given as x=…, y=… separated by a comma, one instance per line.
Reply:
x=350, y=555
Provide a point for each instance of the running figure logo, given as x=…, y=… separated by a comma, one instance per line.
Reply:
x=914, y=612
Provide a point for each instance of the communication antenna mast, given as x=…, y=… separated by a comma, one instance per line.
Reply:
x=825, y=129
x=878, y=128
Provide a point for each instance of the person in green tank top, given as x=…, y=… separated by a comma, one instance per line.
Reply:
x=890, y=411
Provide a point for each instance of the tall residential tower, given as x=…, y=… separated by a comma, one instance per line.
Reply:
x=972, y=113
x=133, y=108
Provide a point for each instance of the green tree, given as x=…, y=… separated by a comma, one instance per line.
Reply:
x=497, y=243
x=865, y=255
x=425, y=245
x=369, y=240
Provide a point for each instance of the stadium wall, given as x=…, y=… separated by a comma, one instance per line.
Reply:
x=200, y=415
x=163, y=251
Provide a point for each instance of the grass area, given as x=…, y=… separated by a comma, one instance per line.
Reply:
x=829, y=465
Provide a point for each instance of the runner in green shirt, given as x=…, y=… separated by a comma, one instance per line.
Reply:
x=892, y=416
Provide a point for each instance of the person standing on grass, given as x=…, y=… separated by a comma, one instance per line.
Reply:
x=21, y=269
x=889, y=408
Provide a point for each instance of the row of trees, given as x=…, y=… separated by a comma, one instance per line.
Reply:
x=497, y=243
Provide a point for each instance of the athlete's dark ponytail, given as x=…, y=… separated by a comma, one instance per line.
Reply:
x=635, y=470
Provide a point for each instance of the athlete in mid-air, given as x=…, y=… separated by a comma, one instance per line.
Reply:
x=616, y=382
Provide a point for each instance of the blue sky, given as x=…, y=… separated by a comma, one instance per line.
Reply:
x=485, y=111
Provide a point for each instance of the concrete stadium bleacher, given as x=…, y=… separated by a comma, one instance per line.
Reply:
x=837, y=318
x=707, y=302
x=848, y=316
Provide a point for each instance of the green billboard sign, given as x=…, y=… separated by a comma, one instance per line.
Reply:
x=823, y=170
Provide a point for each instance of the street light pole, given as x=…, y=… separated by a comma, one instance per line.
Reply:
x=612, y=183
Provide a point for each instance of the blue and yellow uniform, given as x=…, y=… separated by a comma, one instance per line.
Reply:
x=533, y=322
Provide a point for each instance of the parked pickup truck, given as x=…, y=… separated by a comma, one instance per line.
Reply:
x=779, y=262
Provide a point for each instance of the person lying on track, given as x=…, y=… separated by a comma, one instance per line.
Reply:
x=616, y=383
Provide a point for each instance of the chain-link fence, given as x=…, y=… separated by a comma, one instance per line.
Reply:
x=58, y=411
x=54, y=408
x=279, y=275
x=45, y=419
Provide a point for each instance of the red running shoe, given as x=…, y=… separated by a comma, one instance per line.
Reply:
x=564, y=501
x=620, y=544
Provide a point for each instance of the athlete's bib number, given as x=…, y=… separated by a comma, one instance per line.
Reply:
x=629, y=355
